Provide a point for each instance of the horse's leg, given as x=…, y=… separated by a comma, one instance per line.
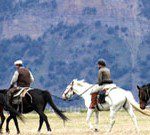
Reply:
x=46, y=121
x=112, y=118
x=7, y=123
x=41, y=119
x=16, y=124
x=40, y=123
x=89, y=114
x=43, y=116
x=2, y=121
x=96, y=120
x=129, y=109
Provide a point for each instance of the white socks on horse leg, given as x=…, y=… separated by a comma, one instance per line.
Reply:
x=89, y=114
x=96, y=120
x=112, y=119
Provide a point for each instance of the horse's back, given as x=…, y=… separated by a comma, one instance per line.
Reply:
x=36, y=92
x=117, y=95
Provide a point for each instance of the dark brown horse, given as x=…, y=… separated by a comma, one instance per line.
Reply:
x=2, y=116
x=4, y=105
x=37, y=103
x=144, y=95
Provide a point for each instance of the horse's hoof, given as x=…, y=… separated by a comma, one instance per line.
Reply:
x=1, y=132
x=38, y=132
x=18, y=133
x=95, y=130
x=49, y=133
x=91, y=128
x=7, y=133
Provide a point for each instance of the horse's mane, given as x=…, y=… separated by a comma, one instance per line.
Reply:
x=3, y=91
x=82, y=82
x=146, y=86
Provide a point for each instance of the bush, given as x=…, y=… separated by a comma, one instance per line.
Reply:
x=89, y=11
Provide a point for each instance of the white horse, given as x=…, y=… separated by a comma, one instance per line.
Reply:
x=116, y=99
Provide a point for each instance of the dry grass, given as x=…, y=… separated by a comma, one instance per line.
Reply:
x=78, y=126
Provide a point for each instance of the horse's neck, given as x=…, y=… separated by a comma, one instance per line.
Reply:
x=148, y=92
x=86, y=95
x=82, y=89
x=84, y=92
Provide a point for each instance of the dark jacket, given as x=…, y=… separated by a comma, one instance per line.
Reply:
x=24, y=79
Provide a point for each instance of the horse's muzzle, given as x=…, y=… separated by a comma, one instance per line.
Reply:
x=142, y=106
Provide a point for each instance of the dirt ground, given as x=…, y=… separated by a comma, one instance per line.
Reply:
x=77, y=125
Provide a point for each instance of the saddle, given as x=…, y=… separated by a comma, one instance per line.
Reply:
x=19, y=94
x=99, y=97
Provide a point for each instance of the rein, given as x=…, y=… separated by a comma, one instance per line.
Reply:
x=79, y=96
x=87, y=90
x=76, y=98
x=56, y=96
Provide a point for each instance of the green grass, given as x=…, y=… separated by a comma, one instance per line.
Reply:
x=77, y=124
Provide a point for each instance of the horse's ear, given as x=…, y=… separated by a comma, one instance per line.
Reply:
x=79, y=84
x=72, y=82
x=82, y=80
x=138, y=87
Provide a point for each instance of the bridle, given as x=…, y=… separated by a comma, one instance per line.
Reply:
x=70, y=89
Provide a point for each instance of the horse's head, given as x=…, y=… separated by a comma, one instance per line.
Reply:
x=72, y=88
x=68, y=93
x=143, y=94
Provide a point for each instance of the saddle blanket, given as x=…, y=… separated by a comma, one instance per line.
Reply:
x=99, y=97
x=109, y=87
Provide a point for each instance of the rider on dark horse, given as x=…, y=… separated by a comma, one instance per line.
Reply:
x=104, y=76
x=22, y=78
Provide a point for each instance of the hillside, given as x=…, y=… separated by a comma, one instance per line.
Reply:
x=62, y=40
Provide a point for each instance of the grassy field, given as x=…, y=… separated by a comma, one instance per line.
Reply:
x=77, y=125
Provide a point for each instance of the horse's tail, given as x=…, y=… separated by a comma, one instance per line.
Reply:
x=49, y=99
x=11, y=109
x=132, y=101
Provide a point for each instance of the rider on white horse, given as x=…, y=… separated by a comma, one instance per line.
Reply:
x=103, y=80
x=116, y=99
